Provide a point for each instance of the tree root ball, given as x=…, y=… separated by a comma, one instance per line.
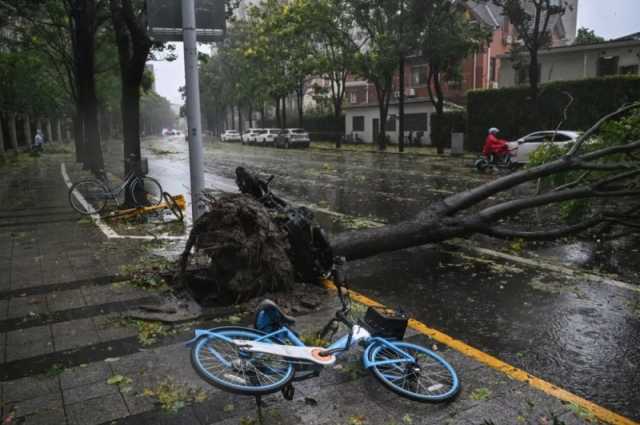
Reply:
x=247, y=250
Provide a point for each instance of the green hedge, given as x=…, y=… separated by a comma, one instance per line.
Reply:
x=513, y=112
x=443, y=125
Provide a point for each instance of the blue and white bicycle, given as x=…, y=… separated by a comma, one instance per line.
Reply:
x=268, y=358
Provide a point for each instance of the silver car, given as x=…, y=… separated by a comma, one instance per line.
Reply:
x=522, y=148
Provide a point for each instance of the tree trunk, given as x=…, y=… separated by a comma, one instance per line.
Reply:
x=383, y=107
x=49, y=131
x=13, y=132
x=278, y=117
x=240, y=123
x=250, y=116
x=300, y=100
x=337, y=116
x=2, y=149
x=85, y=20
x=401, y=108
x=28, y=137
x=262, y=115
x=131, y=126
x=78, y=137
x=59, y=131
x=534, y=76
x=284, y=112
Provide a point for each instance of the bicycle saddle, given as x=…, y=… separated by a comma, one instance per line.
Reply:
x=270, y=317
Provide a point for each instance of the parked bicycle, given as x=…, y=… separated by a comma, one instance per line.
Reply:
x=91, y=196
x=268, y=358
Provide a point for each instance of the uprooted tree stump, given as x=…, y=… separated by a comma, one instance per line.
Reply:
x=246, y=249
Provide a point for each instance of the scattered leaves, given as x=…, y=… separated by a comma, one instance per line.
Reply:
x=480, y=394
x=172, y=396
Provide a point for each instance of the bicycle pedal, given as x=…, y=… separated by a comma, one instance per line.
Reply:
x=287, y=392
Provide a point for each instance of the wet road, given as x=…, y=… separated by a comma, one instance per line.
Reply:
x=581, y=336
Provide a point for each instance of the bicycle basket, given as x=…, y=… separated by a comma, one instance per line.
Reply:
x=386, y=323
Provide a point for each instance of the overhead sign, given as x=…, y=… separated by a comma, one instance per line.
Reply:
x=164, y=20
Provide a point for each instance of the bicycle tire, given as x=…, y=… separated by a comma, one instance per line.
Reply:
x=88, y=197
x=173, y=206
x=440, y=374
x=257, y=362
x=146, y=191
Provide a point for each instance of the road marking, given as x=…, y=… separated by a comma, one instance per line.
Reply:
x=104, y=227
x=576, y=274
x=513, y=372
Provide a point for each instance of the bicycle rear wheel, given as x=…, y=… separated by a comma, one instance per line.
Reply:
x=221, y=363
x=146, y=192
x=88, y=197
x=428, y=378
x=173, y=206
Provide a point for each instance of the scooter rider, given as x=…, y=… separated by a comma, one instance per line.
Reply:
x=495, y=146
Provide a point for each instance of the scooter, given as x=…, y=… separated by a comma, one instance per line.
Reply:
x=494, y=162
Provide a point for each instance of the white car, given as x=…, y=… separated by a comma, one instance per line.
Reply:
x=249, y=137
x=523, y=147
x=231, y=136
x=267, y=136
x=293, y=137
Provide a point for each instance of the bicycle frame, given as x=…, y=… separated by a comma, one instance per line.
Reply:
x=343, y=344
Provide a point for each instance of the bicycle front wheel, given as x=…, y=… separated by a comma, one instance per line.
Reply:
x=146, y=192
x=223, y=364
x=88, y=197
x=427, y=378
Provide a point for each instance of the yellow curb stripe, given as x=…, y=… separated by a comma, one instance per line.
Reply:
x=599, y=412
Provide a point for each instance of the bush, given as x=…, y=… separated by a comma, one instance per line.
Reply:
x=443, y=125
x=512, y=110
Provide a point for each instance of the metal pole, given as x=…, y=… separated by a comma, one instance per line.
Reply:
x=194, y=126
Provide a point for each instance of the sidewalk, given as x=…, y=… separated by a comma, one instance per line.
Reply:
x=68, y=357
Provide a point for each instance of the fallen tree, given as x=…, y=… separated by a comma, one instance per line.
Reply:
x=601, y=175
x=592, y=185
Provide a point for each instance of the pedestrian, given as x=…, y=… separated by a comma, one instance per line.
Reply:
x=38, y=141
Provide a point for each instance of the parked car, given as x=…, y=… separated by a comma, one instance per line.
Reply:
x=292, y=137
x=522, y=148
x=231, y=136
x=249, y=137
x=267, y=136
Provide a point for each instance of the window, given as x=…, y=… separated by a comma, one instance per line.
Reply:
x=353, y=97
x=607, y=65
x=391, y=123
x=629, y=70
x=358, y=123
x=415, y=122
x=492, y=70
x=419, y=76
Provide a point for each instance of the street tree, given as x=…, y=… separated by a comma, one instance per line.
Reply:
x=532, y=20
x=587, y=36
x=134, y=45
x=448, y=36
x=379, y=36
x=333, y=43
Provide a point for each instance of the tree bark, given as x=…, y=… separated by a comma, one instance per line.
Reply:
x=13, y=132
x=134, y=45
x=85, y=18
x=401, y=108
x=28, y=137
x=59, y=131
x=278, y=116
x=2, y=149
x=300, y=100
x=78, y=136
x=284, y=112
x=49, y=131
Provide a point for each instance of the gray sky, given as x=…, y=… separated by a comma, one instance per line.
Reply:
x=608, y=18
